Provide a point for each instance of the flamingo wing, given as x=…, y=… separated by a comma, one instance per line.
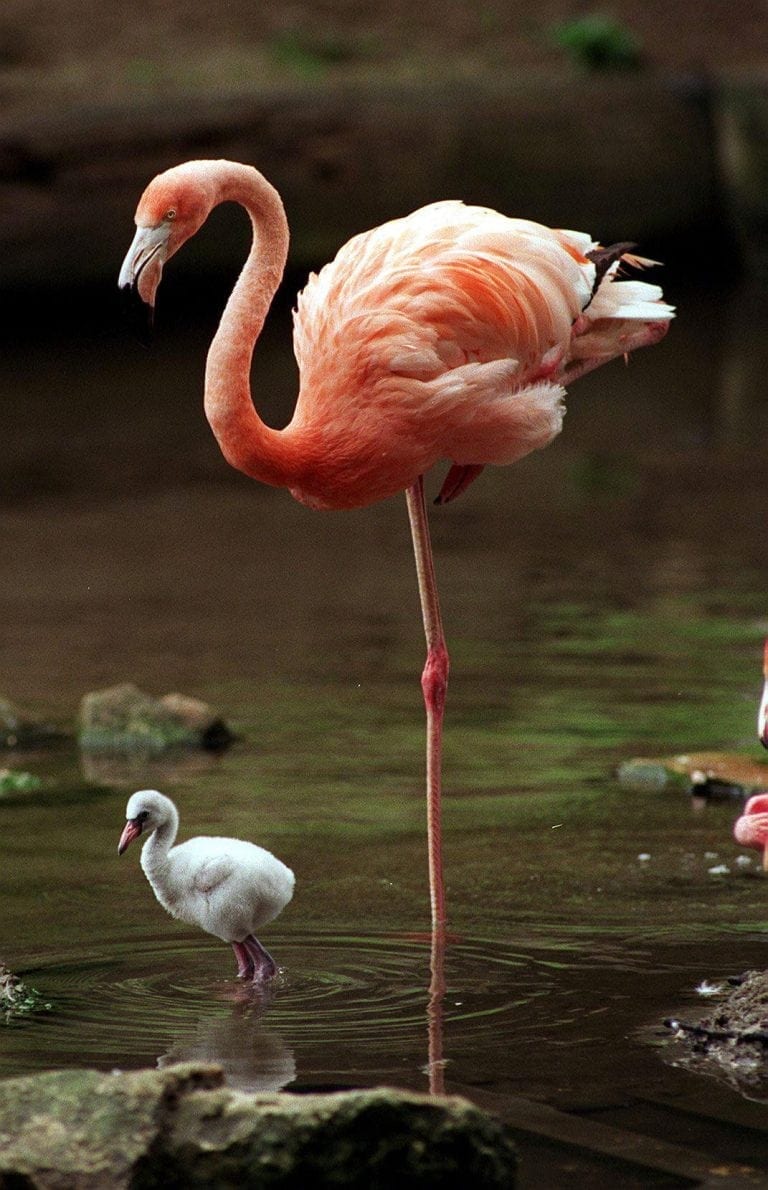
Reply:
x=446, y=285
x=450, y=334
x=212, y=872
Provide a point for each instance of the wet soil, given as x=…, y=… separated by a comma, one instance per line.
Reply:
x=731, y=1041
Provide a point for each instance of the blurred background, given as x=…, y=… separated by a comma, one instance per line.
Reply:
x=645, y=115
x=604, y=599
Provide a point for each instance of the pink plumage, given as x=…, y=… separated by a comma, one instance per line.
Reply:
x=751, y=827
x=450, y=334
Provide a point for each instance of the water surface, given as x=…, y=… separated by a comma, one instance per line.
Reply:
x=603, y=599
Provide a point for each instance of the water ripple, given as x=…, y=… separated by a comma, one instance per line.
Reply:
x=344, y=1002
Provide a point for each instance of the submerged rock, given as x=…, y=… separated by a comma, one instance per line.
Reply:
x=124, y=719
x=182, y=1128
x=731, y=1041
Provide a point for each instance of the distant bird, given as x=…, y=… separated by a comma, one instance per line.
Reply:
x=762, y=713
x=448, y=334
x=227, y=887
x=751, y=830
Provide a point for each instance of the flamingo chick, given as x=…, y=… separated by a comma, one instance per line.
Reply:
x=751, y=830
x=227, y=887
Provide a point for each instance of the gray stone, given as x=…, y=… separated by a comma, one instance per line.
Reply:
x=82, y=1130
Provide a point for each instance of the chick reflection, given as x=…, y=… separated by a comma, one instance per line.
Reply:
x=252, y=1057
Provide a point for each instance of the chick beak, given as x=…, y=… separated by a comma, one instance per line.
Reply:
x=131, y=831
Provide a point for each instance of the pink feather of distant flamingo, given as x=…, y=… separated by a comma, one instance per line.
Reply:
x=751, y=829
x=448, y=334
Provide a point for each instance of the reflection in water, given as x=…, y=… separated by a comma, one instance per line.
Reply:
x=146, y=770
x=436, y=1062
x=252, y=1056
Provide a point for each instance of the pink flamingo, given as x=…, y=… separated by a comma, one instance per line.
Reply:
x=751, y=830
x=448, y=334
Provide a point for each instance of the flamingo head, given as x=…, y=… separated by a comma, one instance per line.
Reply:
x=144, y=812
x=751, y=830
x=148, y=811
x=173, y=207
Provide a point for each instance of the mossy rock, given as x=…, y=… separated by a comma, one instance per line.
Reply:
x=183, y=1128
x=18, y=1000
x=124, y=719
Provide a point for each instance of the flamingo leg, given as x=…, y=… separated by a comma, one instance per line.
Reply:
x=458, y=479
x=434, y=682
x=244, y=963
x=263, y=966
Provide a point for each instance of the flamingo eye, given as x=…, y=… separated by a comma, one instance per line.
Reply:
x=170, y=215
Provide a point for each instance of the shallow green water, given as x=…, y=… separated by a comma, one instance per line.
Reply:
x=603, y=599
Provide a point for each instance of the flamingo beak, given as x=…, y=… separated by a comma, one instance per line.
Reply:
x=131, y=831
x=141, y=272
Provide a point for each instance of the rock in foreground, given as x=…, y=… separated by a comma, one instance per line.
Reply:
x=82, y=1130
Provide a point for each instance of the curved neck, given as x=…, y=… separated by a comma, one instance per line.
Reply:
x=154, y=853
x=245, y=441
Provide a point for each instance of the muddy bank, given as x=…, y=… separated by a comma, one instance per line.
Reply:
x=730, y=1042
x=662, y=157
